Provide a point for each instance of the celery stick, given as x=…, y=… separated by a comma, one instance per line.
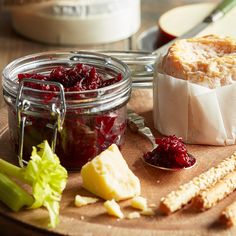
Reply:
x=12, y=170
x=13, y=195
x=46, y=177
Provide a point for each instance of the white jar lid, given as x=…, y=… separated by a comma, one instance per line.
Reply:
x=77, y=22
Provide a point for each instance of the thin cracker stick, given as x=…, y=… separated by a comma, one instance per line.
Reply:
x=228, y=216
x=211, y=196
x=175, y=200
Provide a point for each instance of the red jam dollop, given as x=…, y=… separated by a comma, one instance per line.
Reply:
x=170, y=153
x=83, y=135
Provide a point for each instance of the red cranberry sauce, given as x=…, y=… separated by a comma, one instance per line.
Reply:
x=83, y=136
x=170, y=153
x=79, y=78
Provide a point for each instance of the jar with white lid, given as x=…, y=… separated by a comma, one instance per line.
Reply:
x=76, y=22
x=79, y=124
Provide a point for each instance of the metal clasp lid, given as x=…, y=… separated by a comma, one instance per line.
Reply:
x=23, y=105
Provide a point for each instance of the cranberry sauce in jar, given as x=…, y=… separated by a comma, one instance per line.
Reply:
x=95, y=91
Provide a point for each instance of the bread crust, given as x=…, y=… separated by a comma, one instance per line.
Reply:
x=228, y=216
x=209, y=61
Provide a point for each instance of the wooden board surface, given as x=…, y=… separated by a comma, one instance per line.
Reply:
x=92, y=220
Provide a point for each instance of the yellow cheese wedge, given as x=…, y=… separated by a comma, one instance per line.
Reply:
x=82, y=201
x=109, y=177
x=113, y=208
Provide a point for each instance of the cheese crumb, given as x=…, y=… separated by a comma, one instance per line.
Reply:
x=148, y=212
x=139, y=203
x=152, y=205
x=113, y=208
x=133, y=215
x=82, y=201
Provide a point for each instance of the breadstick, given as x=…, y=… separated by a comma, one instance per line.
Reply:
x=228, y=216
x=175, y=200
x=209, y=197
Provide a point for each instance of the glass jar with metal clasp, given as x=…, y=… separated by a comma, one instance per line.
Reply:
x=79, y=124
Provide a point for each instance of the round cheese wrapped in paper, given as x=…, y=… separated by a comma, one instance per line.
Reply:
x=198, y=105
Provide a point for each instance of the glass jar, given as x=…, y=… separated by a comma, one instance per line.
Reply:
x=79, y=124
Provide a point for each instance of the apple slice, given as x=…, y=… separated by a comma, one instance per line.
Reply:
x=179, y=20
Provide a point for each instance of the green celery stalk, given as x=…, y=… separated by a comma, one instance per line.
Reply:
x=46, y=177
x=12, y=170
x=13, y=195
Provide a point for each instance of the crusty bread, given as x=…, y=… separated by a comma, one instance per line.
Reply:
x=209, y=61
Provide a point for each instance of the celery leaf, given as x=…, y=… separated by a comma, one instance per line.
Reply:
x=48, y=180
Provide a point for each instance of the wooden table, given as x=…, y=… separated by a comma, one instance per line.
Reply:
x=13, y=46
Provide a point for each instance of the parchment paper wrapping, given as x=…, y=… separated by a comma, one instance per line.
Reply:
x=197, y=114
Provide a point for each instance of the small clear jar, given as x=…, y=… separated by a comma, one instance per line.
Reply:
x=79, y=124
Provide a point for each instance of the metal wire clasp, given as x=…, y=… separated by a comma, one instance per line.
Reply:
x=23, y=105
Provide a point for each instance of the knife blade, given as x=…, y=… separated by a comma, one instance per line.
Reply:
x=220, y=10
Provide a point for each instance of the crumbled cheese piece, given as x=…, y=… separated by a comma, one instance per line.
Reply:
x=113, y=208
x=148, y=212
x=152, y=205
x=133, y=215
x=82, y=201
x=139, y=203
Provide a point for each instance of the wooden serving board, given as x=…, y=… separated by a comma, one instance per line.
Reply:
x=93, y=220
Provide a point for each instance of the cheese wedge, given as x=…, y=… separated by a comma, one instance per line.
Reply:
x=109, y=177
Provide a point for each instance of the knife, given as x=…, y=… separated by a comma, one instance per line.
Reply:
x=220, y=10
